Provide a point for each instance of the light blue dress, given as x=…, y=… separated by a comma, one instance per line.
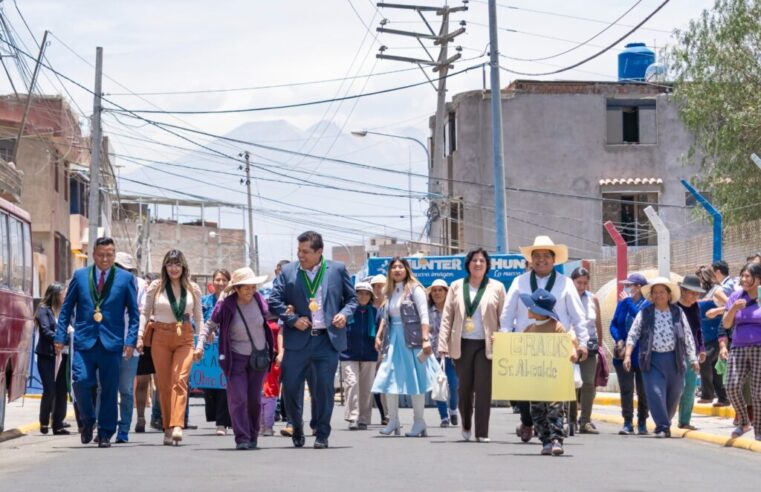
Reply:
x=401, y=372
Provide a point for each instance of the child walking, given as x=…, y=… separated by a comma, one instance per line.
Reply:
x=271, y=389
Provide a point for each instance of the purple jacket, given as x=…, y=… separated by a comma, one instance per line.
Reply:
x=223, y=314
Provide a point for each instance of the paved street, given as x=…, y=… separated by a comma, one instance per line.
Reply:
x=364, y=459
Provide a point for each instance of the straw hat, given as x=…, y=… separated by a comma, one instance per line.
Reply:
x=675, y=291
x=366, y=287
x=544, y=242
x=378, y=279
x=125, y=260
x=245, y=276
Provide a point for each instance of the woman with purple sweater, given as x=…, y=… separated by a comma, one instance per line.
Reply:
x=744, y=317
x=240, y=318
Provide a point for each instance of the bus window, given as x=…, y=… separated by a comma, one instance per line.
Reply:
x=27, y=259
x=17, y=254
x=4, y=260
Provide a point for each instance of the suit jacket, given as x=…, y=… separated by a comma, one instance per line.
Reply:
x=110, y=331
x=338, y=297
x=453, y=317
x=46, y=323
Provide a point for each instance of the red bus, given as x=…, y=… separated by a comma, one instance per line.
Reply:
x=16, y=311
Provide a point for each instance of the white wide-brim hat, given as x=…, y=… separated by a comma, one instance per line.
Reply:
x=245, y=276
x=125, y=260
x=439, y=282
x=378, y=279
x=676, y=293
x=544, y=242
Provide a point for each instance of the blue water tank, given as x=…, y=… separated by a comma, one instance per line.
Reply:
x=634, y=60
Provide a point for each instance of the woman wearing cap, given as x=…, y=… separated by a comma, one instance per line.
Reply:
x=665, y=343
x=215, y=399
x=378, y=283
x=470, y=318
x=170, y=303
x=691, y=290
x=360, y=359
x=632, y=301
x=744, y=318
x=437, y=296
x=404, y=337
x=588, y=367
x=240, y=318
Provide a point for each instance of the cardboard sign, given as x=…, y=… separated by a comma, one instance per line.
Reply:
x=450, y=268
x=206, y=373
x=532, y=367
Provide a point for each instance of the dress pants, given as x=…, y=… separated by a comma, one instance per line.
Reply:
x=711, y=384
x=627, y=380
x=358, y=379
x=54, y=394
x=588, y=389
x=90, y=367
x=244, y=393
x=687, y=402
x=172, y=357
x=664, y=386
x=319, y=357
x=474, y=376
x=215, y=402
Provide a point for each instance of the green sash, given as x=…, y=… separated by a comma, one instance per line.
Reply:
x=550, y=281
x=99, y=297
x=470, y=307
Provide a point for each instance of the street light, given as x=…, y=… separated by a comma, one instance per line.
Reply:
x=364, y=133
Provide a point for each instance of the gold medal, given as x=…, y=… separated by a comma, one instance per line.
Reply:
x=469, y=326
x=179, y=328
x=98, y=316
x=313, y=306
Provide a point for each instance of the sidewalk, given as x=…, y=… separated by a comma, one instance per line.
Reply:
x=22, y=417
x=714, y=424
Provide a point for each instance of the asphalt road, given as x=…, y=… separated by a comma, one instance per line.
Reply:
x=360, y=460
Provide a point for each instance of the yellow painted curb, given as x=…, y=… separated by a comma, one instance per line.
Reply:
x=727, y=442
x=32, y=396
x=699, y=408
x=34, y=426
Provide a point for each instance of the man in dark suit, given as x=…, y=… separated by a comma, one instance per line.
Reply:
x=98, y=297
x=323, y=299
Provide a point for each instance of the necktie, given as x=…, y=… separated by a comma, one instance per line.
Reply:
x=101, y=281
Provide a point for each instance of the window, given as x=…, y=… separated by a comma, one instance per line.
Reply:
x=6, y=148
x=5, y=271
x=16, y=242
x=627, y=212
x=62, y=258
x=450, y=134
x=455, y=227
x=631, y=121
x=27, y=258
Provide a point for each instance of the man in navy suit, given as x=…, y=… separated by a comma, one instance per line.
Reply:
x=98, y=297
x=323, y=299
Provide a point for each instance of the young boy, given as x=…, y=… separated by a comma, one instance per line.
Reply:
x=547, y=416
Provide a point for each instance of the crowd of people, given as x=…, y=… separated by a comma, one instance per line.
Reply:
x=391, y=340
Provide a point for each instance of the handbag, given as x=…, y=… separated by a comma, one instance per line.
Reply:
x=260, y=359
x=148, y=334
x=577, y=381
x=440, y=390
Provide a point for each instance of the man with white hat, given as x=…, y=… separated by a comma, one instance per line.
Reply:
x=543, y=255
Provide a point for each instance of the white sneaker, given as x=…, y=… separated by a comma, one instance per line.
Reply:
x=221, y=430
x=466, y=435
x=483, y=439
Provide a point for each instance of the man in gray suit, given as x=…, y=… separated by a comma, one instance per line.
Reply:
x=323, y=299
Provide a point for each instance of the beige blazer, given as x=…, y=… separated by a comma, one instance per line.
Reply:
x=453, y=317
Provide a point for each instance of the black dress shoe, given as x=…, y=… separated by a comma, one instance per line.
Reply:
x=104, y=443
x=321, y=443
x=44, y=429
x=61, y=432
x=298, y=440
x=242, y=446
x=86, y=435
x=191, y=427
x=66, y=425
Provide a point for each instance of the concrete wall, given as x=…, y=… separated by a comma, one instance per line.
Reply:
x=557, y=142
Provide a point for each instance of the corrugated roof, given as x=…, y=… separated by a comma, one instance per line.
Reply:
x=630, y=181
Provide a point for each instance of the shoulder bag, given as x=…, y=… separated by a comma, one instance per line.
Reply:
x=259, y=359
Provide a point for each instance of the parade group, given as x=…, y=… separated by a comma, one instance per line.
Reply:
x=118, y=335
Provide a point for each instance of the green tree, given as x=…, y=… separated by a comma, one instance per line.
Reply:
x=716, y=68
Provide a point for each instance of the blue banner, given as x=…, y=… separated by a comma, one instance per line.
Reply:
x=206, y=373
x=450, y=268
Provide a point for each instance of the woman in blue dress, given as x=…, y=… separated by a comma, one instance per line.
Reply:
x=403, y=337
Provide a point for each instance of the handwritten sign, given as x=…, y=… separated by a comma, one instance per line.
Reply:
x=532, y=367
x=206, y=373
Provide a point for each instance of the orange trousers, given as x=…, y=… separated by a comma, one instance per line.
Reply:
x=172, y=356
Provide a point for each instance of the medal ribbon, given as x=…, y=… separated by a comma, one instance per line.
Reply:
x=550, y=281
x=470, y=307
x=99, y=297
x=313, y=286
x=178, y=309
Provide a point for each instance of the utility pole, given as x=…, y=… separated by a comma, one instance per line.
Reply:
x=440, y=64
x=93, y=205
x=498, y=148
x=253, y=254
x=29, y=98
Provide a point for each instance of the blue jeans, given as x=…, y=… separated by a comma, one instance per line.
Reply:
x=127, y=373
x=452, y=383
x=664, y=386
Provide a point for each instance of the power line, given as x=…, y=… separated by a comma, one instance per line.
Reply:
x=589, y=58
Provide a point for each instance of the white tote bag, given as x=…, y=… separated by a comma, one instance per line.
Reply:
x=440, y=391
x=577, y=382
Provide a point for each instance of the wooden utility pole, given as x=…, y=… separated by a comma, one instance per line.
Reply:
x=253, y=260
x=93, y=205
